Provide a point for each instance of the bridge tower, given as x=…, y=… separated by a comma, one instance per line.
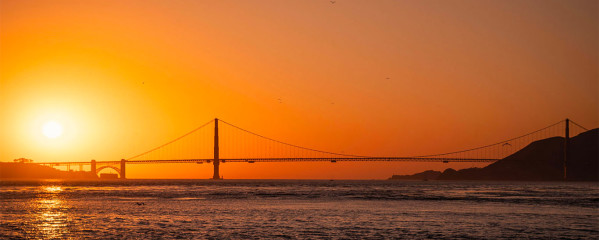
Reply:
x=123, y=169
x=566, y=148
x=216, y=161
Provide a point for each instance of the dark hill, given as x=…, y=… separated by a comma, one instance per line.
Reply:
x=541, y=161
x=34, y=171
x=426, y=175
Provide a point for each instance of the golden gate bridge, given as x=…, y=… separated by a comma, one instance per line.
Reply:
x=218, y=141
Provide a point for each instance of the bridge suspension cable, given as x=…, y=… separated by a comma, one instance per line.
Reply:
x=578, y=125
x=293, y=145
x=172, y=141
x=492, y=145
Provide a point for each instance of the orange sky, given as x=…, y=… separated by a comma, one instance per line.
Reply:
x=385, y=78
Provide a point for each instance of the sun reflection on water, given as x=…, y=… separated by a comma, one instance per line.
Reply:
x=53, y=189
x=50, y=213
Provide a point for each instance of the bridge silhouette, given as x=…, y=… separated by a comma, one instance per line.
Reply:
x=206, y=144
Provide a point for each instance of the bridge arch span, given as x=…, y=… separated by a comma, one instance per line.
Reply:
x=118, y=170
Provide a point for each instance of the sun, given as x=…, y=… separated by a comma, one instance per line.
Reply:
x=52, y=129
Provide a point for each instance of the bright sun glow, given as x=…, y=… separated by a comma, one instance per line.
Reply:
x=52, y=129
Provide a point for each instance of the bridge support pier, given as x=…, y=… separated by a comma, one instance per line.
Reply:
x=216, y=174
x=93, y=167
x=216, y=161
x=123, y=175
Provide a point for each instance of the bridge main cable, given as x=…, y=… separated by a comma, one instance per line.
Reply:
x=491, y=145
x=579, y=125
x=292, y=145
x=172, y=141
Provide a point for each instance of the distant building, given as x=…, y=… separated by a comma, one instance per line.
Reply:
x=109, y=176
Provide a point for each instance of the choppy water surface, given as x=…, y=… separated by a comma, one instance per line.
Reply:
x=251, y=209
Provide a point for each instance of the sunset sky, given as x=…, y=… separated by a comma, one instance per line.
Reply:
x=381, y=78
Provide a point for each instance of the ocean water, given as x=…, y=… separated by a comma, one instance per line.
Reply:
x=297, y=209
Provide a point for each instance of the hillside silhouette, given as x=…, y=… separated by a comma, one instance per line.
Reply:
x=426, y=175
x=539, y=161
x=34, y=171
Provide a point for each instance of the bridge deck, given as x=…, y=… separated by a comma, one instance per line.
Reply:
x=255, y=160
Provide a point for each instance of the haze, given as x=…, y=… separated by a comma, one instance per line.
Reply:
x=378, y=78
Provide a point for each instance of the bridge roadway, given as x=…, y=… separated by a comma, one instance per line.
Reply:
x=255, y=160
x=216, y=162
